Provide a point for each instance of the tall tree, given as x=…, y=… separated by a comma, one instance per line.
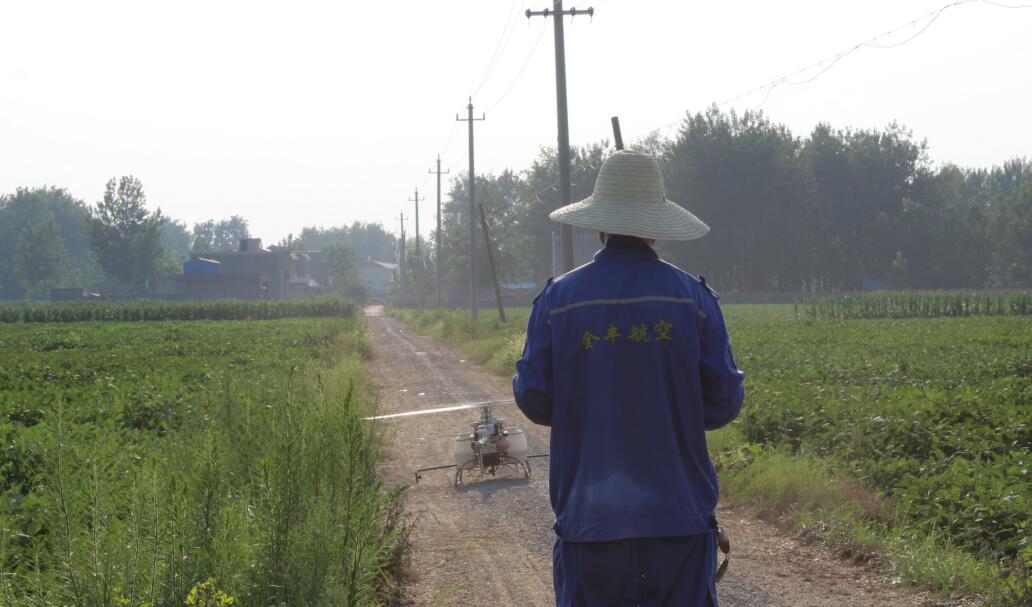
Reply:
x=124, y=235
x=28, y=205
x=1010, y=229
x=344, y=273
x=40, y=256
x=176, y=238
x=366, y=240
x=743, y=175
x=221, y=235
x=540, y=196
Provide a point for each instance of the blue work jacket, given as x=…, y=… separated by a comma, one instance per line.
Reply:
x=628, y=360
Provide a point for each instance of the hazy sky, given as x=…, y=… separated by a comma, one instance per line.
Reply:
x=322, y=113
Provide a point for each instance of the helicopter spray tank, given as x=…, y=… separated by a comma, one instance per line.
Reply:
x=491, y=444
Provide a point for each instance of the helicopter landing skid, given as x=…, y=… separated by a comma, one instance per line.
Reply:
x=502, y=460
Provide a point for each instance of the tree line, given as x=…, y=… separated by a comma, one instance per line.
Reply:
x=49, y=238
x=838, y=209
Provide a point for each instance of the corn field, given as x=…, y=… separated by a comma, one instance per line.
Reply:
x=918, y=304
x=147, y=310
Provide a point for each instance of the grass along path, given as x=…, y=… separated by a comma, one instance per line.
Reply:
x=850, y=434
x=199, y=463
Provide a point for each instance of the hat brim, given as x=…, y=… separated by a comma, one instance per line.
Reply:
x=665, y=221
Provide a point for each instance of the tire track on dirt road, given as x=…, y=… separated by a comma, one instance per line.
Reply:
x=489, y=542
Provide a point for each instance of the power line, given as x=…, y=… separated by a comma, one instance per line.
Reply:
x=829, y=62
x=523, y=68
x=503, y=42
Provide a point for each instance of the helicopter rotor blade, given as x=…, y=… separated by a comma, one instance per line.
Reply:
x=446, y=409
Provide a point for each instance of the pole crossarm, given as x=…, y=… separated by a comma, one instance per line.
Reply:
x=572, y=12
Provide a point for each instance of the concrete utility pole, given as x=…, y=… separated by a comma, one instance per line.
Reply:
x=440, y=252
x=472, y=214
x=417, y=286
x=557, y=13
x=401, y=262
x=416, y=199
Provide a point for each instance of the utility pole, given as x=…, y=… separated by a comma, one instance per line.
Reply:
x=416, y=200
x=472, y=214
x=401, y=262
x=417, y=287
x=440, y=252
x=557, y=13
x=490, y=260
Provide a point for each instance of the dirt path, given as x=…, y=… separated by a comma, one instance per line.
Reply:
x=489, y=542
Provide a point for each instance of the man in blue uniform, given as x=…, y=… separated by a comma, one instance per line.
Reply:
x=628, y=360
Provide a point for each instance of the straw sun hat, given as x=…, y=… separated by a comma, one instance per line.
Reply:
x=629, y=199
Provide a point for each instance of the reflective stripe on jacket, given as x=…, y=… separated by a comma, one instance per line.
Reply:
x=628, y=360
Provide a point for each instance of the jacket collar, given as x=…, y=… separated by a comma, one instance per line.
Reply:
x=622, y=247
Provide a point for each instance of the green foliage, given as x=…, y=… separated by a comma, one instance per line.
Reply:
x=916, y=304
x=857, y=203
x=222, y=235
x=93, y=311
x=934, y=412
x=489, y=342
x=126, y=237
x=1010, y=225
x=908, y=436
x=366, y=240
x=28, y=206
x=176, y=239
x=516, y=206
x=344, y=273
x=206, y=594
x=143, y=462
x=39, y=256
x=705, y=171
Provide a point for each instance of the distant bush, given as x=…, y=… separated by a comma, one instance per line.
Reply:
x=145, y=310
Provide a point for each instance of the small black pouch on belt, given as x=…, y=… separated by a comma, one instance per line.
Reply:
x=725, y=546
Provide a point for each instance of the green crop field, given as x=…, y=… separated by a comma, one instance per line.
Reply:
x=933, y=416
x=198, y=463
x=228, y=309
x=918, y=304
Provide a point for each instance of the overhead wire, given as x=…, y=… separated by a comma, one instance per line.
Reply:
x=522, y=69
x=831, y=61
x=503, y=43
x=825, y=64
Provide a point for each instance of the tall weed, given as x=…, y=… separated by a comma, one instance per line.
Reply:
x=264, y=493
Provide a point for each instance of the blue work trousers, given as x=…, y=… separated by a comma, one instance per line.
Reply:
x=638, y=572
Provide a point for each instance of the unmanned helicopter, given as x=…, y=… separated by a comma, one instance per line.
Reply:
x=489, y=447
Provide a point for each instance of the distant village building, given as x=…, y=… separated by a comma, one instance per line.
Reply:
x=251, y=272
x=379, y=277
